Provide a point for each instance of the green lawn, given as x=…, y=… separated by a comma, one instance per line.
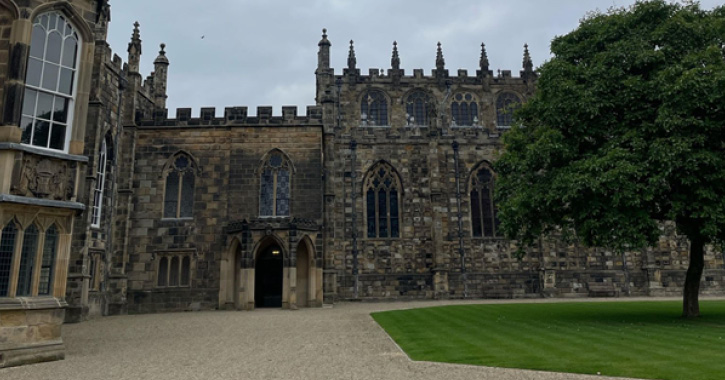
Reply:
x=631, y=339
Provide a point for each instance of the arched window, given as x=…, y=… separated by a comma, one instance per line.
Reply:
x=179, y=194
x=418, y=108
x=48, y=264
x=174, y=272
x=382, y=194
x=163, y=271
x=506, y=104
x=484, y=221
x=100, y=186
x=27, y=261
x=464, y=109
x=374, y=109
x=7, y=249
x=50, y=83
x=185, y=271
x=274, y=198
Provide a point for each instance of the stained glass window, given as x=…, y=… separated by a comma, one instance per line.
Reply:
x=7, y=249
x=506, y=104
x=27, y=261
x=50, y=83
x=382, y=189
x=179, y=192
x=374, y=109
x=484, y=219
x=464, y=110
x=418, y=108
x=274, y=197
x=48, y=264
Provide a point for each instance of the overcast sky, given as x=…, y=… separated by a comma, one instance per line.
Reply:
x=264, y=52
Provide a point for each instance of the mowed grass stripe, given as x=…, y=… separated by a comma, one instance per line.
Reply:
x=632, y=339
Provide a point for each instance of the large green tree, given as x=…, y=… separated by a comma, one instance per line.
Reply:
x=626, y=131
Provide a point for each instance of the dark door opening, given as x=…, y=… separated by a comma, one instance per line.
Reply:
x=268, y=278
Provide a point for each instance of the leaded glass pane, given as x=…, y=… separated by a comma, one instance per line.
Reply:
x=66, y=81
x=7, y=248
x=26, y=125
x=70, y=51
x=41, y=133
x=375, y=106
x=27, y=259
x=506, y=105
x=464, y=115
x=394, y=223
x=275, y=161
x=57, y=137
x=46, y=269
x=417, y=108
x=35, y=69
x=50, y=76
x=181, y=162
x=163, y=271
x=37, y=43
x=187, y=195
x=55, y=43
x=371, y=213
x=486, y=207
x=45, y=106
x=266, y=199
x=383, y=213
x=174, y=272
x=476, y=214
x=171, y=198
x=283, y=193
x=185, y=271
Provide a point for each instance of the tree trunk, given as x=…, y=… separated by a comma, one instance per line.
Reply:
x=691, y=302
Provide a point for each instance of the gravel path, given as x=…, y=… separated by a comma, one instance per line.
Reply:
x=342, y=342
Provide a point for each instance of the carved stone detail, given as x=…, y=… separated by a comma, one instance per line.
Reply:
x=45, y=178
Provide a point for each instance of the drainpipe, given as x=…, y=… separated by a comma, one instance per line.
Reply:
x=122, y=83
x=461, y=251
x=353, y=176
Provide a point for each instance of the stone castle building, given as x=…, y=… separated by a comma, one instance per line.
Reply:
x=381, y=190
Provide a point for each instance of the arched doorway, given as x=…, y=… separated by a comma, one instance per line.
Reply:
x=268, y=277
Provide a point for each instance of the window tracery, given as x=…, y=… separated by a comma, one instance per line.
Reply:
x=418, y=107
x=179, y=193
x=382, y=194
x=274, y=199
x=484, y=219
x=374, y=109
x=464, y=109
x=506, y=104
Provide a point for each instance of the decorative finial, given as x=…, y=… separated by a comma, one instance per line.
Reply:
x=134, y=47
x=528, y=64
x=440, y=62
x=162, y=59
x=395, y=61
x=324, y=41
x=351, y=60
x=163, y=47
x=484, y=59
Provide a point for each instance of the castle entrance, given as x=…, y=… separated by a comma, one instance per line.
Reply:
x=268, y=277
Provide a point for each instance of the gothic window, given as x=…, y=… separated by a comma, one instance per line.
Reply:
x=27, y=261
x=382, y=196
x=50, y=83
x=48, y=262
x=163, y=271
x=484, y=219
x=174, y=270
x=100, y=186
x=274, y=198
x=464, y=110
x=7, y=248
x=179, y=194
x=418, y=107
x=506, y=104
x=374, y=109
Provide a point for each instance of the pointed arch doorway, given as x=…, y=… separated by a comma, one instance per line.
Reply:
x=269, y=277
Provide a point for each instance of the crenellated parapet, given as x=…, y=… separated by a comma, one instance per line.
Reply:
x=233, y=116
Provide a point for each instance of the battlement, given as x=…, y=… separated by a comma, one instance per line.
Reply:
x=232, y=116
x=462, y=75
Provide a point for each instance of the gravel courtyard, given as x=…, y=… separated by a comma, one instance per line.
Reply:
x=342, y=342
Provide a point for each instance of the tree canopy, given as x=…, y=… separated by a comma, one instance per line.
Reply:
x=626, y=130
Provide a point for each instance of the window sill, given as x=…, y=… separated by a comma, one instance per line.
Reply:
x=176, y=219
x=43, y=152
x=374, y=126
